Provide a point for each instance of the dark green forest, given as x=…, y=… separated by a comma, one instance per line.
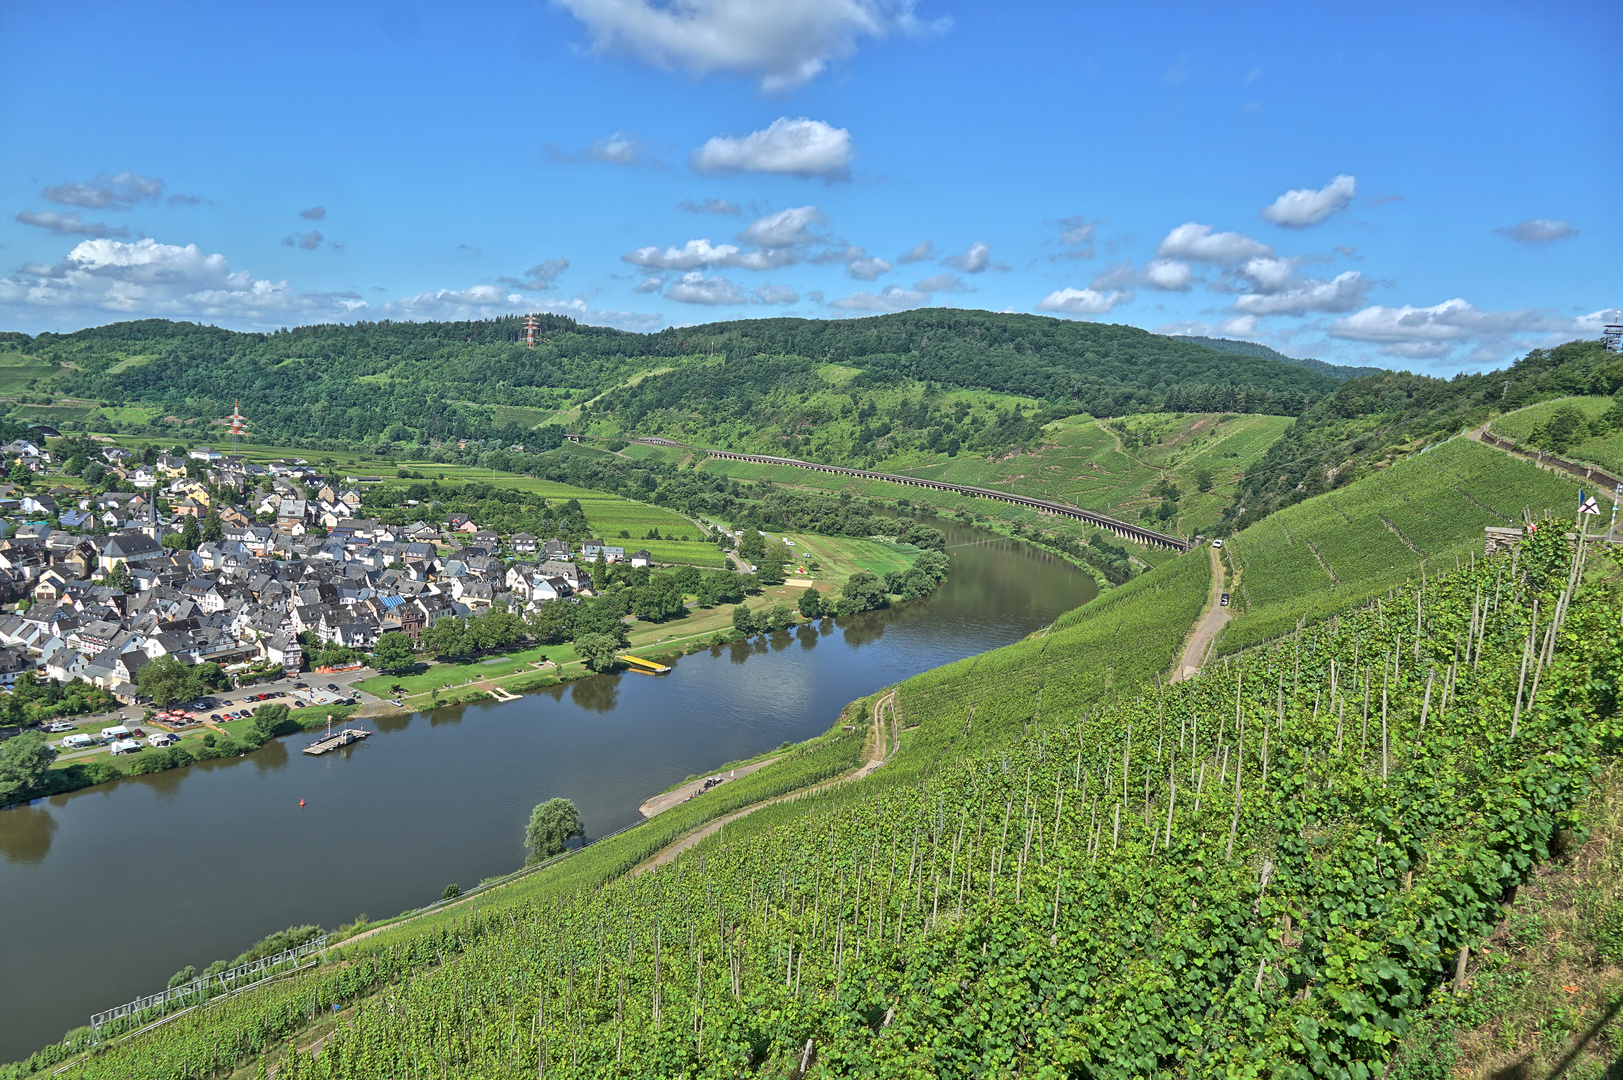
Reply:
x=1251, y=348
x=429, y=382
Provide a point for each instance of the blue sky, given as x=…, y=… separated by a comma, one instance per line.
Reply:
x=1427, y=186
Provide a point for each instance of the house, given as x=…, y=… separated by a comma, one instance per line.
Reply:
x=283, y=648
x=487, y=539
x=555, y=549
x=126, y=548
x=204, y=453
x=171, y=468
x=455, y=522
x=592, y=548
x=145, y=477
x=13, y=663
x=523, y=543
x=641, y=557
x=38, y=504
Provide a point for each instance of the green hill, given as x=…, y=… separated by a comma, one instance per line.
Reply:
x=429, y=382
x=1252, y=348
x=1370, y=422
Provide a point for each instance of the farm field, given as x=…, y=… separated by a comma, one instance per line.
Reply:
x=1333, y=551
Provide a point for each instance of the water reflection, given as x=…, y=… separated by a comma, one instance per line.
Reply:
x=393, y=721
x=269, y=758
x=806, y=635
x=165, y=785
x=26, y=833
x=599, y=695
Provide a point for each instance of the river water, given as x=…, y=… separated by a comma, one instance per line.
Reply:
x=109, y=890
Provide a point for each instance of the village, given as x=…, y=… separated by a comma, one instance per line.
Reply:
x=176, y=571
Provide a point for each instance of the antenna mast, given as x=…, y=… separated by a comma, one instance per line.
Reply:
x=531, y=324
x=236, y=425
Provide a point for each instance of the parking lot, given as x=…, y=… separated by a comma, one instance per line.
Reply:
x=315, y=693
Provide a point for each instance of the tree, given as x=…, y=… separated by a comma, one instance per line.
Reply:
x=552, y=621
x=335, y=656
x=495, y=630
x=770, y=570
x=658, y=600
x=600, y=572
x=191, y=534
x=24, y=761
x=393, y=652
x=752, y=546
x=811, y=604
x=743, y=621
x=166, y=680
x=447, y=637
x=213, y=528
x=271, y=721
x=552, y=825
x=1203, y=480
x=118, y=577
x=863, y=592
x=600, y=651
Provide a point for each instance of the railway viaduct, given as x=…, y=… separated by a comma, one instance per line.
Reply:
x=1124, y=530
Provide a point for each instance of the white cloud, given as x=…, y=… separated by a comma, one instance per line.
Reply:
x=107, y=193
x=1298, y=296
x=783, y=44
x=973, y=261
x=1301, y=207
x=776, y=294
x=1081, y=301
x=858, y=263
x=1538, y=231
x=619, y=149
x=1432, y=333
x=1076, y=234
x=1168, y=275
x=942, y=283
x=1240, y=326
x=709, y=206
x=695, y=288
x=489, y=301
x=308, y=241
x=148, y=278
x=890, y=298
x=68, y=223
x=1198, y=243
x=540, y=277
x=650, y=284
x=1164, y=275
x=924, y=249
x=314, y=213
x=701, y=253
x=1268, y=275
x=783, y=229
x=802, y=147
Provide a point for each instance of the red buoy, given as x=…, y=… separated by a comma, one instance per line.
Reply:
x=301, y=802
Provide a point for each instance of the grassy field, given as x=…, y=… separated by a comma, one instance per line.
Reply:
x=1332, y=551
x=1606, y=451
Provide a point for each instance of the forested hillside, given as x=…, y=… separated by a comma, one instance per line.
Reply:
x=1368, y=422
x=427, y=382
x=1252, y=348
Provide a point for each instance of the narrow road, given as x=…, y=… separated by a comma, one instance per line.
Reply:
x=881, y=748
x=1211, y=621
x=667, y=799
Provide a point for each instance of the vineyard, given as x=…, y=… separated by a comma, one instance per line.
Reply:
x=1271, y=869
x=1427, y=511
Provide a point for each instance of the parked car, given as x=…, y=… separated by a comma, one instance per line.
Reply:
x=215, y=717
x=1224, y=601
x=1217, y=543
x=334, y=688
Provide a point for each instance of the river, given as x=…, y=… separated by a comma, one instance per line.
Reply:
x=107, y=891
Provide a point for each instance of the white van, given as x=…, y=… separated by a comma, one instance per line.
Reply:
x=115, y=733
x=77, y=742
x=57, y=727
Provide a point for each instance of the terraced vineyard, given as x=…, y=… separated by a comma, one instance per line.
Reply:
x=1334, y=550
x=1266, y=870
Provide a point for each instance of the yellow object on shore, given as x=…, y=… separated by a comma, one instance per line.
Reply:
x=644, y=665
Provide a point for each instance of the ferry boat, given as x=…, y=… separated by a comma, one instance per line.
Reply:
x=335, y=740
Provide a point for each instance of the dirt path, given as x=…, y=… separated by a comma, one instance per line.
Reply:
x=667, y=799
x=1212, y=620
x=881, y=748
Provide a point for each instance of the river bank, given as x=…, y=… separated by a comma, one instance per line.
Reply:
x=221, y=853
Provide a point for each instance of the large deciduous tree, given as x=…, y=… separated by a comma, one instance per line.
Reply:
x=552, y=825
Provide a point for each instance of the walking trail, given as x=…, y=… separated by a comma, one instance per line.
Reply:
x=1212, y=620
